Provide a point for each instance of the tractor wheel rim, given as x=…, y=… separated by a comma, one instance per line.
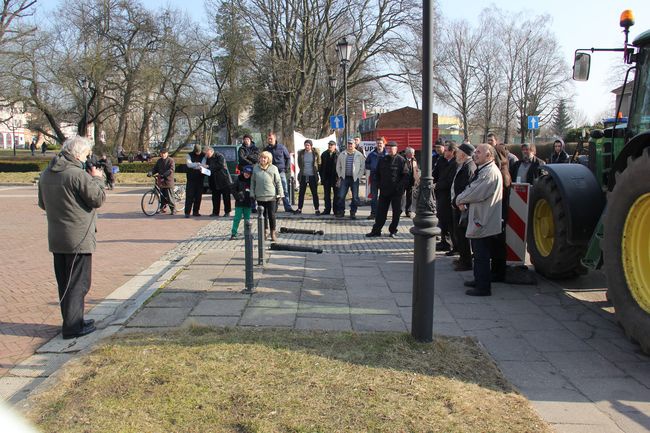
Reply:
x=636, y=251
x=543, y=227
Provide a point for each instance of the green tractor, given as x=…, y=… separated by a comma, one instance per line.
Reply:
x=599, y=216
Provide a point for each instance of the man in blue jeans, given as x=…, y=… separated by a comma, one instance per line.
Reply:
x=372, y=162
x=349, y=169
x=282, y=161
x=481, y=199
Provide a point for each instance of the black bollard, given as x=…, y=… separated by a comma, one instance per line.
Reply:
x=248, y=255
x=301, y=231
x=286, y=247
x=260, y=235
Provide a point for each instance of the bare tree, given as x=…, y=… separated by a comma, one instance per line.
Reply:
x=457, y=79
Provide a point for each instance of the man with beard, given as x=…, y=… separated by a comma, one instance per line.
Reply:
x=526, y=169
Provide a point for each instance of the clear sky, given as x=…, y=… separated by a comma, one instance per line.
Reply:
x=576, y=24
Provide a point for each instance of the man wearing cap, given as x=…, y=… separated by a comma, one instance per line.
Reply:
x=392, y=179
x=328, y=177
x=414, y=179
x=443, y=175
x=194, y=192
x=372, y=162
x=349, y=169
x=464, y=172
x=165, y=168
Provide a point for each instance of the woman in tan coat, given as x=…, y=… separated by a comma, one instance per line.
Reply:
x=266, y=188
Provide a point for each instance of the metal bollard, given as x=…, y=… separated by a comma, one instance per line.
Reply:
x=248, y=255
x=260, y=235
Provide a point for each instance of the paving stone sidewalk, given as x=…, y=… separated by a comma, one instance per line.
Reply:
x=566, y=355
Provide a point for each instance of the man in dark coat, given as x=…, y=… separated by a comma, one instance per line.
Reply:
x=464, y=172
x=165, y=168
x=249, y=154
x=219, y=181
x=443, y=176
x=282, y=161
x=328, y=178
x=392, y=178
x=69, y=194
x=194, y=192
x=372, y=162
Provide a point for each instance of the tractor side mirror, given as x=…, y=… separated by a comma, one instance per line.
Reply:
x=581, y=64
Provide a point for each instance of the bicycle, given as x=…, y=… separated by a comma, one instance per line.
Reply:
x=151, y=202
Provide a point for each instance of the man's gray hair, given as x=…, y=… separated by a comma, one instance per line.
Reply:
x=409, y=151
x=491, y=152
x=78, y=146
x=206, y=148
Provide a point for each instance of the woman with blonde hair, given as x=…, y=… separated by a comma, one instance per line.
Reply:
x=266, y=188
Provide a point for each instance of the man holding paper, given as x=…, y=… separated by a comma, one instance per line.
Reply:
x=196, y=161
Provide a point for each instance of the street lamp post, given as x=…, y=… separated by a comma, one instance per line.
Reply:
x=425, y=221
x=333, y=82
x=82, y=130
x=343, y=49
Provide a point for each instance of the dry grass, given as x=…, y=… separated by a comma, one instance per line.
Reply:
x=251, y=380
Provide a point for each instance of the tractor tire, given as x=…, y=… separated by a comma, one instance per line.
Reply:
x=549, y=251
x=625, y=248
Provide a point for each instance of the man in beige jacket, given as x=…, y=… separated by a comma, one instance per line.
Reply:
x=482, y=198
x=350, y=166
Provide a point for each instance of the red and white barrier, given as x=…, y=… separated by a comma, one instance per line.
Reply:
x=517, y=223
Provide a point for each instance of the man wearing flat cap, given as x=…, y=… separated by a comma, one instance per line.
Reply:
x=464, y=172
x=392, y=178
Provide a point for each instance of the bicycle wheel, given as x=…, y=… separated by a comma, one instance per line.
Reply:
x=150, y=203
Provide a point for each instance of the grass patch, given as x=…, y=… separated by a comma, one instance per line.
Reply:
x=264, y=380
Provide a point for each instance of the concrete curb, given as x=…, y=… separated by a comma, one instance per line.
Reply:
x=40, y=370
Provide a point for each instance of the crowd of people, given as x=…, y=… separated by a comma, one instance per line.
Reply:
x=471, y=190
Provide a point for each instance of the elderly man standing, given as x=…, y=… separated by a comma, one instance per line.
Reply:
x=194, y=192
x=393, y=178
x=349, y=168
x=414, y=179
x=70, y=194
x=443, y=175
x=483, y=197
x=219, y=181
x=464, y=172
x=526, y=169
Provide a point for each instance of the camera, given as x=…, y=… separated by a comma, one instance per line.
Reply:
x=93, y=161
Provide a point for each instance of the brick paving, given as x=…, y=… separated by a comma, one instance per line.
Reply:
x=127, y=242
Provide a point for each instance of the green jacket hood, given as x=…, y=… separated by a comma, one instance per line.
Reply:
x=64, y=161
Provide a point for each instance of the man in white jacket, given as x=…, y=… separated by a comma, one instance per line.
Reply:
x=349, y=169
x=482, y=200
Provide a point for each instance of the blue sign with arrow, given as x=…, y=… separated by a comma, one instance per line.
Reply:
x=533, y=122
x=337, y=122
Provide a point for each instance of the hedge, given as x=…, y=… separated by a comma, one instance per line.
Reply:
x=17, y=166
x=23, y=166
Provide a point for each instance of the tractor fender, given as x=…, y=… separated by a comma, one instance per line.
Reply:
x=633, y=148
x=582, y=198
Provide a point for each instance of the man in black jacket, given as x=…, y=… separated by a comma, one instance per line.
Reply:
x=392, y=178
x=219, y=181
x=249, y=154
x=165, y=168
x=464, y=172
x=526, y=169
x=194, y=192
x=328, y=177
x=443, y=176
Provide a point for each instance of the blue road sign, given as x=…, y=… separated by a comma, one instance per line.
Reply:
x=337, y=122
x=533, y=122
